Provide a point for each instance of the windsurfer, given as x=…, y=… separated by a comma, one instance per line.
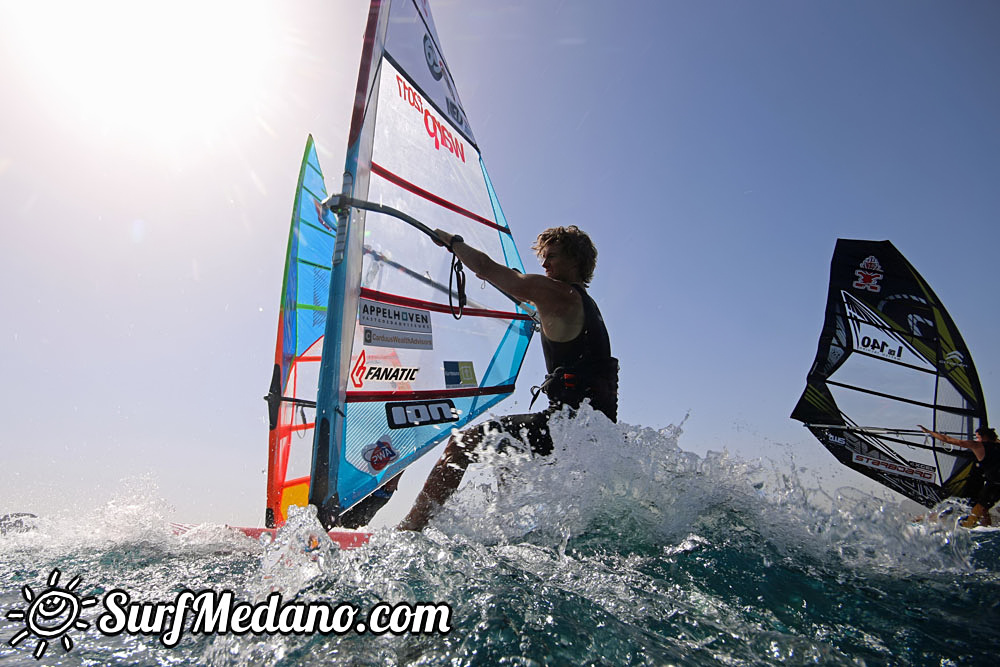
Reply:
x=575, y=345
x=987, y=451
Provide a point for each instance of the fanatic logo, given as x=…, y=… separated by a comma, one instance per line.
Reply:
x=358, y=372
x=362, y=372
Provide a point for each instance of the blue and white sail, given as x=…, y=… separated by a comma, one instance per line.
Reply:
x=399, y=371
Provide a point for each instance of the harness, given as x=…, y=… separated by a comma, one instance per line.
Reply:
x=597, y=381
x=582, y=368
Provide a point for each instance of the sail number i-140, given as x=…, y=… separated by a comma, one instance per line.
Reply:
x=881, y=348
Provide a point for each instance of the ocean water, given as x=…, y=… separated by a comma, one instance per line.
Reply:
x=627, y=550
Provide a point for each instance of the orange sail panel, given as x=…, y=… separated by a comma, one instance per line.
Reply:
x=301, y=324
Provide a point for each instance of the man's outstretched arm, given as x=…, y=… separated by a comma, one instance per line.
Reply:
x=542, y=291
x=976, y=447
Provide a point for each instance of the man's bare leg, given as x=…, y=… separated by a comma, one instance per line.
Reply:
x=441, y=483
x=980, y=517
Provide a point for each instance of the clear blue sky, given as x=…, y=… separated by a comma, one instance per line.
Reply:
x=714, y=151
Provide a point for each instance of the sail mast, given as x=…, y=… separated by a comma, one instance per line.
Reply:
x=345, y=280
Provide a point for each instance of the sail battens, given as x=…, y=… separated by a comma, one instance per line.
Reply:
x=314, y=265
x=369, y=396
x=895, y=362
x=323, y=229
x=916, y=337
x=431, y=197
x=399, y=300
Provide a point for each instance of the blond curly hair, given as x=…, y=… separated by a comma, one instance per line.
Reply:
x=575, y=244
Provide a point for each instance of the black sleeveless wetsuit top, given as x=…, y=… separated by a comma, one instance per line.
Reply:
x=989, y=467
x=583, y=367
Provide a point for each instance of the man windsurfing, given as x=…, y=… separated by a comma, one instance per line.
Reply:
x=987, y=452
x=575, y=344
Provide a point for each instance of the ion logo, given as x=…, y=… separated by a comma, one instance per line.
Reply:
x=380, y=454
x=422, y=413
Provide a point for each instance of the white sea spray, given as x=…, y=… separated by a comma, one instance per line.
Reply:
x=623, y=548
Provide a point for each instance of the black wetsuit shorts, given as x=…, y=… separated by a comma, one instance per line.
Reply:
x=988, y=495
x=527, y=432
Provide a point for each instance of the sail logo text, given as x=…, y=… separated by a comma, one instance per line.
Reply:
x=362, y=373
x=881, y=348
x=390, y=374
x=953, y=359
x=422, y=413
x=895, y=468
x=375, y=314
x=436, y=130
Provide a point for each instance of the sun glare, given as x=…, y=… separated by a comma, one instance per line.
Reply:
x=160, y=74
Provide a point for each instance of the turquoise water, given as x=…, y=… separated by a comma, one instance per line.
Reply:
x=626, y=551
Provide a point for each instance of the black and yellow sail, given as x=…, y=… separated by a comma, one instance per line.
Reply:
x=890, y=358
